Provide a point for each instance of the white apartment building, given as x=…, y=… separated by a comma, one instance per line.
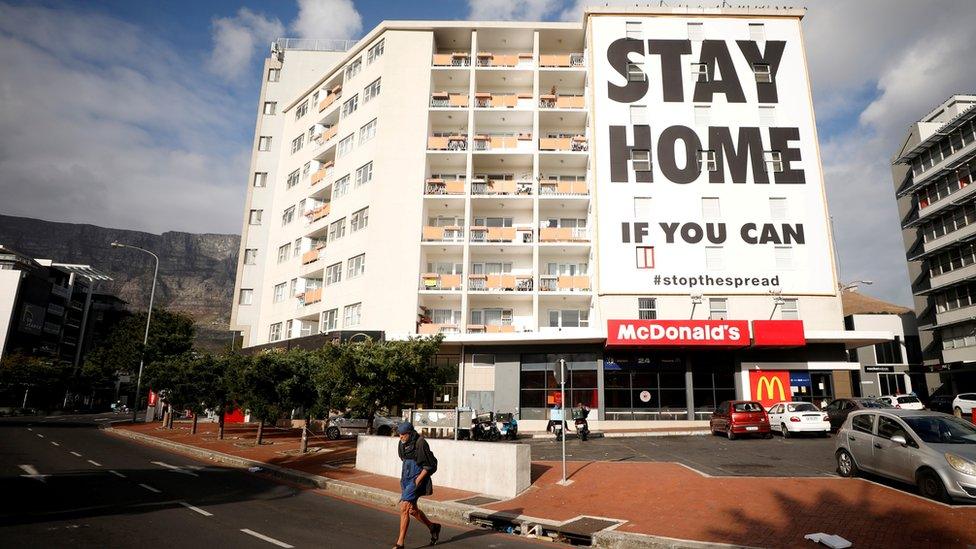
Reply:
x=639, y=194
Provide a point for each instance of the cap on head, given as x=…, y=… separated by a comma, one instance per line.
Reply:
x=404, y=428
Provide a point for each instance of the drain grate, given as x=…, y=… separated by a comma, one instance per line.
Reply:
x=478, y=500
x=586, y=526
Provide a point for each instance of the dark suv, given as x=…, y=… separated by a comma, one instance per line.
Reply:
x=839, y=409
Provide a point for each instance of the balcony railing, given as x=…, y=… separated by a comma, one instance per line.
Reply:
x=326, y=135
x=441, y=186
x=490, y=328
x=443, y=234
x=448, y=99
x=563, y=60
x=576, y=143
x=434, y=281
x=500, y=282
x=318, y=212
x=501, y=142
x=563, y=234
x=550, y=101
x=324, y=171
x=312, y=256
x=456, y=59
x=448, y=143
x=489, y=59
x=492, y=234
x=564, y=283
x=311, y=296
x=334, y=93
x=431, y=328
x=555, y=188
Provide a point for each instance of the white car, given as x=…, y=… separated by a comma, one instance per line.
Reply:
x=790, y=418
x=905, y=402
x=962, y=405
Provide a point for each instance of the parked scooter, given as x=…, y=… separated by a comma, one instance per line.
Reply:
x=579, y=421
x=483, y=428
x=507, y=425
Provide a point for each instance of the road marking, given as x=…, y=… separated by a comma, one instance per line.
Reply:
x=95, y=463
x=29, y=429
x=116, y=473
x=32, y=473
x=102, y=419
x=196, y=509
x=174, y=468
x=55, y=443
x=266, y=538
x=151, y=489
x=40, y=435
x=76, y=454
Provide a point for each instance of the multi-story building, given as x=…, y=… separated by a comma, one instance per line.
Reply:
x=932, y=173
x=639, y=195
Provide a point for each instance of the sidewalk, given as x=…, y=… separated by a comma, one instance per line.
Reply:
x=654, y=498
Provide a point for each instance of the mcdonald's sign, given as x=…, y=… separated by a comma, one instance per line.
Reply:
x=770, y=387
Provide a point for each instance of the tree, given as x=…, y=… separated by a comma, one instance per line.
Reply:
x=298, y=390
x=257, y=386
x=217, y=384
x=175, y=379
x=22, y=372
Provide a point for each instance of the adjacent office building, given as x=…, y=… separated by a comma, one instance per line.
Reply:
x=933, y=171
x=639, y=194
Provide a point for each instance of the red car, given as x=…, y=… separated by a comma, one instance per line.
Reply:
x=740, y=417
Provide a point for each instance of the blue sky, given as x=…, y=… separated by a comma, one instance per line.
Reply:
x=140, y=115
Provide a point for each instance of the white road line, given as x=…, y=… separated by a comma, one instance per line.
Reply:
x=174, y=468
x=40, y=435
x=55, y=443
x=266, y=538
x=151, y=489
x=196, y=509
x=95, y=463
x=76, y=454
x=32, y=473
x=29, y=429
x=116, y=473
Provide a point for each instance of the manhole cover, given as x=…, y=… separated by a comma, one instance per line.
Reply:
x=478, y=500
x=586, y=526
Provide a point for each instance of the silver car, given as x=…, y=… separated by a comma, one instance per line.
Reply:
x=341, y=426
x=936, y=452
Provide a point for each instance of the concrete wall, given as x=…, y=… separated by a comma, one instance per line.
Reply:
x=9, y=281
x=494, y=469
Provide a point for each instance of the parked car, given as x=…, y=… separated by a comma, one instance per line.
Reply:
x=941, y=403
x=838, y=410
x=791, y=418
x=962, y=405
x=936, y=452
x=740, y=417
x=349, y=427
x=905, y=402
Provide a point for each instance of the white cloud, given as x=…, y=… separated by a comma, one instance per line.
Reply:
x=105, y=124
x=327, y=19
x=510, y=10
x=236, y=40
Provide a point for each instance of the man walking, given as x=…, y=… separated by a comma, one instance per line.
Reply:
x=419, y=464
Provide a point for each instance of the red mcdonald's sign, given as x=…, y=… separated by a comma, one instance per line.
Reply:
x=770, y=386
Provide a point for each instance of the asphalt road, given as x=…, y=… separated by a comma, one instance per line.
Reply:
x=63, y=483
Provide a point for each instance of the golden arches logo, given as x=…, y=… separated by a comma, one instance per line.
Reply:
x=769, y=383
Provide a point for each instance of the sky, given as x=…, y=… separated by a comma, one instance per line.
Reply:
x=140, y=115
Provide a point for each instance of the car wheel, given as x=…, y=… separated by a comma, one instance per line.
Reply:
x=768, y=435
x=930, y=486
x=332, y=433
x=957, y=411
x=785, y=431
x=729, y=433
x=384, y=431
x=845, y=464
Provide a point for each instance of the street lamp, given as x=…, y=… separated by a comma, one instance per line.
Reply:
x=145, y=338
x=851, y=286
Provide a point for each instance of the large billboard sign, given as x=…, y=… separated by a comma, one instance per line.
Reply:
x=708, y=175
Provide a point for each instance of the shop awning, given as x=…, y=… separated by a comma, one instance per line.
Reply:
x=852, y=339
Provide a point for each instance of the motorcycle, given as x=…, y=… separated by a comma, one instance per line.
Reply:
x=579, y=421
x=483, y=428
x=507, y=426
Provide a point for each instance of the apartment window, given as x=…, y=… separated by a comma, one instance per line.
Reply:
x=333, y=274
x=635, y=73
x=757, y=32
x=288, y=215
x=260, y=179
x=706, y=161
x=714, y=258
x=696, y=31
x=358, y=220
x=293, y=178
x=353, y=68
x=296, y=248
x=251, y=256
x=788, y=310
x=245, y=297
x=888, y=352
x=341, y=187
x=569, y=318
x=284, y=252
x=645, y=257
x=293, y=287
x=274, y=333
x=646, y=308
x=356, y=266
x=280, y=290
x=638, y=114
x=633, y=29
x=375, y=52
x=364, y=174
x=762, y=71
x=274, y=75
x=699, y=72
x=767, y=115
x=777, y=208
x=773, y=161
x=710, y=208
x=264, y=143
x=702, y=113
x=350, y=105
x=269, y=107
x=301, y=110
x=371, y=91
x=642, y=207
x=784, y=257
x=254, y=217
x=296, y=144
x=330, y=320
x=352, y=315
x=718, y=308
x=346, y=145
x=367, y=132
x=306, y=169
x=337, y=229
x=640, y=159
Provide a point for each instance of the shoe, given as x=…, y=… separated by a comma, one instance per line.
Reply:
x=397, y=546
x=435, y=533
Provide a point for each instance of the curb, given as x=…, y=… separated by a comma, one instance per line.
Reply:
x=612, y=434
x=609, y=539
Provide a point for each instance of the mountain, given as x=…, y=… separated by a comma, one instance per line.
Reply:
x=196, y=271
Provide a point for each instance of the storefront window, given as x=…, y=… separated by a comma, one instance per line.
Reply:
x=540, y=383
x=644, y=388
x=712, y=384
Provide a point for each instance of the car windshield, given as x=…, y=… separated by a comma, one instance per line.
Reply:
x=908, y=400
x=746, y=407
x=801, y=407
x=942, y=429
x=874, y=404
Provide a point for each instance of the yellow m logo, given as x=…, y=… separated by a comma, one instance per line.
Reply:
x=769, y=383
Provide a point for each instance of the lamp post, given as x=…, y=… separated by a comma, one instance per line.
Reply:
x=145, y=338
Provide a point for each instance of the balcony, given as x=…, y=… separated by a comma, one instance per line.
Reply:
x=510, y=100
x=499, y=142
x=434, y=281
x=510, y=60
x=577, y=143
x=326, y=135
x=496, y=187
x=432, y=329
x=561, y=60
x=500, y=283
x=563, y=234
x=558, y=101
x=330, y=98
x=449, y=99
x=455, y=59
x=457, y=142
x=441, y=186
x=313, y=255
x=491, y=329
x=324, y=171
x=443, y=234
x=311, y=296
x=318, y=212
x=563, y=188
x=564, y=283
x=498, y=234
